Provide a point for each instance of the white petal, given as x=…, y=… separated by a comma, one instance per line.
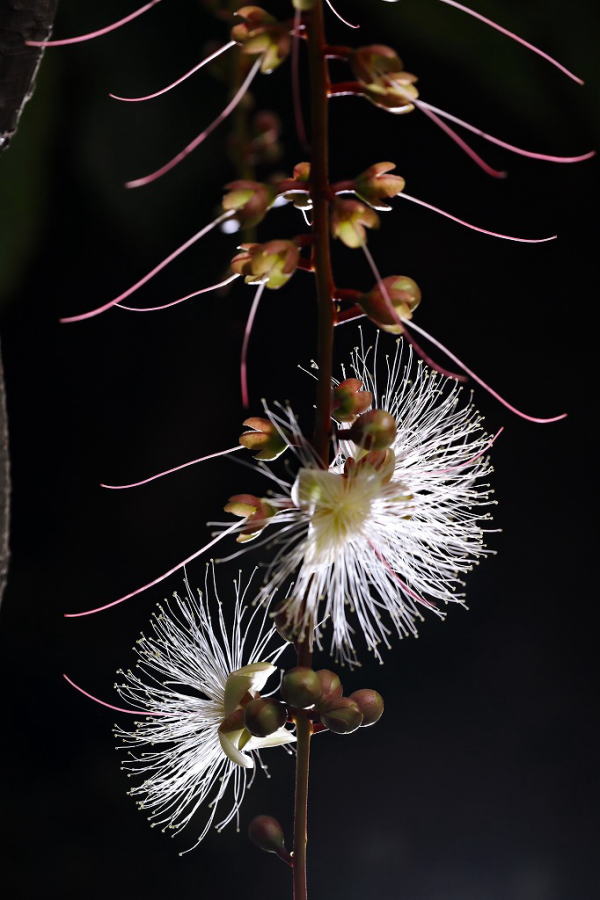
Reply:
x=281, y=736
x=248, y=678
x=231, y=751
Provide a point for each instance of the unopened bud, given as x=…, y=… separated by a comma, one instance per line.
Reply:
x=370, y=704
x=263, y=716
x=267, y=834
x=301, y=687
x=303, y=5
x=265, y=438
x=284, y=623
x=271, y=264
x=381, y=72
x=250, y=200
x=260, y=34
x=375, y=430
x=255, y=510
x=401, y=292
x=349, y=219
x=342, y=718
x=350, y=400
x=375, y=185
x=331, y=687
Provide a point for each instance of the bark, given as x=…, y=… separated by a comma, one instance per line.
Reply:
x=20, y=20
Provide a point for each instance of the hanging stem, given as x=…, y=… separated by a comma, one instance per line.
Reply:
x=321, y=197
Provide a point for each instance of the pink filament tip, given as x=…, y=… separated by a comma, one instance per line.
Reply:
x=199, y=139
x=151, y=274
x=479, y=380
x=156, y=581
x=131, y=712
x=123, y=487
x=95, y=34
x=178, y=81
x=515, y=37
x=339, y=16
x=206, y=290
x=245, y=344
x=495, y=173
x=452, y=218
x=530, y=154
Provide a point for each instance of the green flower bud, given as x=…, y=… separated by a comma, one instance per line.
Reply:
x=375, y=430
x=260, y=34
x=256, y=511
x=349, y=219
x=267, y=834
x=331, y=687
x=264, y=437
x=303, y=5
x=272, y=264
x=370, y=704
x=263, y=716
x=301, y=687
x=399, y=290
x=342, y=717
x=375, y=186
x=385, y=83
x=250, y=200
x=350, y=400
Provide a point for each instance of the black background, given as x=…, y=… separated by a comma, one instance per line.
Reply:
x=480, y=783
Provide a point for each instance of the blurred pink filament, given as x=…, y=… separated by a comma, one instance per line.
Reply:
x=90, y=35
x=122, y=487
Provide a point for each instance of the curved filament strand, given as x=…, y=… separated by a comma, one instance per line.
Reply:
x=339, y=16
x=120, y=709
x=186, y=465
x=206, y=290
x=245, y=343
x=90, y=35
x=237, y=98
x=495, y=173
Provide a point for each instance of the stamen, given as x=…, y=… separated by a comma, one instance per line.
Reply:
x=480, y=381
x=131, y=712
x=340, y=17
x=94, y=34
x=495, y=173
x=515, y=37
x=545, y=157
x=505, y=237
x=206, y=290
x=402, y=583
x=473, y=459
x=235, y=100
x=416, y=347
x=158, y=580
x=123, y=487
x=246, y=341
x=152, y=273
x=178, y=81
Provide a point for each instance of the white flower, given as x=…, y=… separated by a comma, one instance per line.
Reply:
x=193, y=673
x=378, y=537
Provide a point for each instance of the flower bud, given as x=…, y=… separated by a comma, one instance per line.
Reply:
x=350, y=400
x=385, y=83
x=250, y=200
x=272, y=264
x=298, y=190
x=301, y=687
x=370, y=704
x=342, y=718
x=256, y=511
x=375, y=430
x=267, y=834
x=260, y=34
x=303, y=5
x=349, y=219
x=331, y=687
x=375, y=185
x=404, y=295
x=263, y=716
x=265, y=438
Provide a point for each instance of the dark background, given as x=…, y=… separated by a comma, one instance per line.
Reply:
x=480, y=783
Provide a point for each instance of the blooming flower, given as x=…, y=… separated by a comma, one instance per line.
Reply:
x=193, y=678
x=381, y=535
